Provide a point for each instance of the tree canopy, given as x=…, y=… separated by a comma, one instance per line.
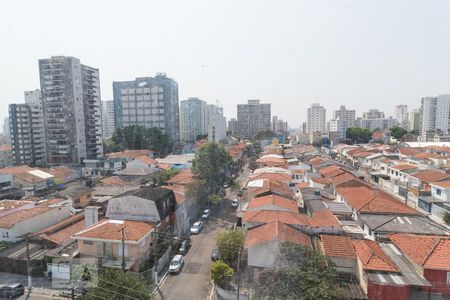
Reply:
x=265, y=134
x=358, y=135
x=398, y=132
x=210, y=163
x=300, y=273
x=115, y=284
x=221, y=273
x=139, y=137
x=229, y=244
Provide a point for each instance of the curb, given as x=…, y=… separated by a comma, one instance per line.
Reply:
x=160, y=283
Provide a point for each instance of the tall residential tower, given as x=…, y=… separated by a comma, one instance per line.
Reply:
x=253, y=118
x=316, y=119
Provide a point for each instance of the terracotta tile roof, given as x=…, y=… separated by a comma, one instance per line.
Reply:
x=10, y=220
x=273, y=161
x=429, y=176
x=328, y=169
x=16, y=170
x=410, y=151
x=442, y=184
x=354, y=151
x=110, y=230
x=363, y=154
x=337, y=246
x=302, y=185
x=274, y=200
x=431, y=252
x=164, y=166
x=114, y=181
x=275, y=231
x=272, y=187
x=60, y=171
x=367, y=200
x=336, y=180
x=28, y=177
x=426, y=156
x=320, y=180
x=267, y=216
x=438, y=148
x=316, y=161
x=61, y=232
x=130, y=153
x=404, y=167
x=378, y=135
x=182, y=178
x=297, y=171
x=147, y=160
x=272, y=176
x=324, y=218
x=372, y=257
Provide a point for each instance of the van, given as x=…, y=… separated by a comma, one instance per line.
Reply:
x=12, y=290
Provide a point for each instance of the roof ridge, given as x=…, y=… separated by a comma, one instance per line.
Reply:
x=431, y=251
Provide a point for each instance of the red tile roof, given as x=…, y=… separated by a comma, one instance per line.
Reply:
x=316, y=161
x=302, y=185
x=336, y=180
x=271, y=161
x=372, y=257
x=110, y=230
x=147, y=160
x=272, y=176
x=272, y=187
x=328, y=169
x=404, y=167
x=275, y=231
x=324, y=218
x=430, y=252
x=61, y=232
x=429, y=176
x=320, y=180
x=182, y=178
x=410, y=151
x=337, y=246
x=274, y=200
x=114, y=181
x=130, y=153
x=267, y=216
x=16, y=170
x=368, y=200
x=442, y=184
x=10, y=220
x=164, y=166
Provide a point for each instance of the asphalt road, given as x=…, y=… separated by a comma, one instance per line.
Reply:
x=194, y=280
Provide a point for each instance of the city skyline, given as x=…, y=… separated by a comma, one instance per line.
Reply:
x=368, y=67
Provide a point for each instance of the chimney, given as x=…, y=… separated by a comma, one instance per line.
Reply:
x=90, y=215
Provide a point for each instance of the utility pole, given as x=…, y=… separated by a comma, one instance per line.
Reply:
x=122, y=232
x=30, y=283
x=238, y=272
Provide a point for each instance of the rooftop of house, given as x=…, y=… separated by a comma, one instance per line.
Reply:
x=275, y=231
x=365, y=199
x=430, y=252
x=410, y=151
x=403, y=224
x=271, y=176
x=337, y=246
x=10, y=220
x=270, y=170
x=341, y=178
x=130, y=171
x=302, y=185
x=115, y=181
x=130, y=153
x=273, y=201
x=324, y=218
x=12, y=204
x=76, y=191
x=112, y=190
x=146, y=159
x=404, y=167
x=61, y=232
x=16, y=170
x=267, y=216
x=179, y=192
x=108, y=230
x=177, y=159
x=320, y=180
x=429, y=176
x=182, y=178
x=445, y=184
x=372, y=256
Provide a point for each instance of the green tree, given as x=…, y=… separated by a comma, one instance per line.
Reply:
x=398, y=132
x=221, y=273
x=210, y=163
x=197, y=191
x=265, y=134
x=215, y=199
x=161, y=177
x=138, y=137
x=235, y=186
x=229, y=244
x=358, y=135
x=300, y=273
x=115, y=284
x=447, y=217
x=415, y=132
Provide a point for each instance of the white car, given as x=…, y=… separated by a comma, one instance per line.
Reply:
x=197, y=227
x=235, y=203
x=176, y=264
x=206, y=214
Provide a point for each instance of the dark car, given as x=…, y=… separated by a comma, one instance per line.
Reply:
x=185, y=245
x=12, y=290
x=215, y=254
x=240, y=193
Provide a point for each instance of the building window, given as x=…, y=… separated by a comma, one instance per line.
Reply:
x=438, y=192
x=5, y=234
x=88, y=242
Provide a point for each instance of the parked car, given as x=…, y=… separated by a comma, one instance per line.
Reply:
x=176, y=264
x=235, y=203
x=197, y=227
x=206, y=214
x=226, y=185
x=12, y=290
x=215, y=254
x=240, y=193
x=185, y=245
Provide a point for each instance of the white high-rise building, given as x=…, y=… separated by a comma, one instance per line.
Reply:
x=414, y=120
x=337, y=130
x=373, y=114
x=316, y=118
x=401, y=115
x=108, y=119
x=278, y=125
x=233, y=126
x=27, y=130
x=192, y=119
x=216, y=123
x=72, y=110
x=348, y=116
x=434, y=116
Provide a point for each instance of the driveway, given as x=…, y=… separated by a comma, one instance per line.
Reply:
x=194, y=280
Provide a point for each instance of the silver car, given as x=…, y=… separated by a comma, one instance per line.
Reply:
x=197, y=227
x=176, y=264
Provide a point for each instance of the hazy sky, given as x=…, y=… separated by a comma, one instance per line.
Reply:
x=364, y=54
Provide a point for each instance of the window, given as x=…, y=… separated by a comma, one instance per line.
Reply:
x=5, y=234
x=88, y=242
x=438, y=192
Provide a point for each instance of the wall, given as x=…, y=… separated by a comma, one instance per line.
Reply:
x=345, y=265
x=387, y=292
x=263, y=255
x=444, y=193
x=438, y=278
